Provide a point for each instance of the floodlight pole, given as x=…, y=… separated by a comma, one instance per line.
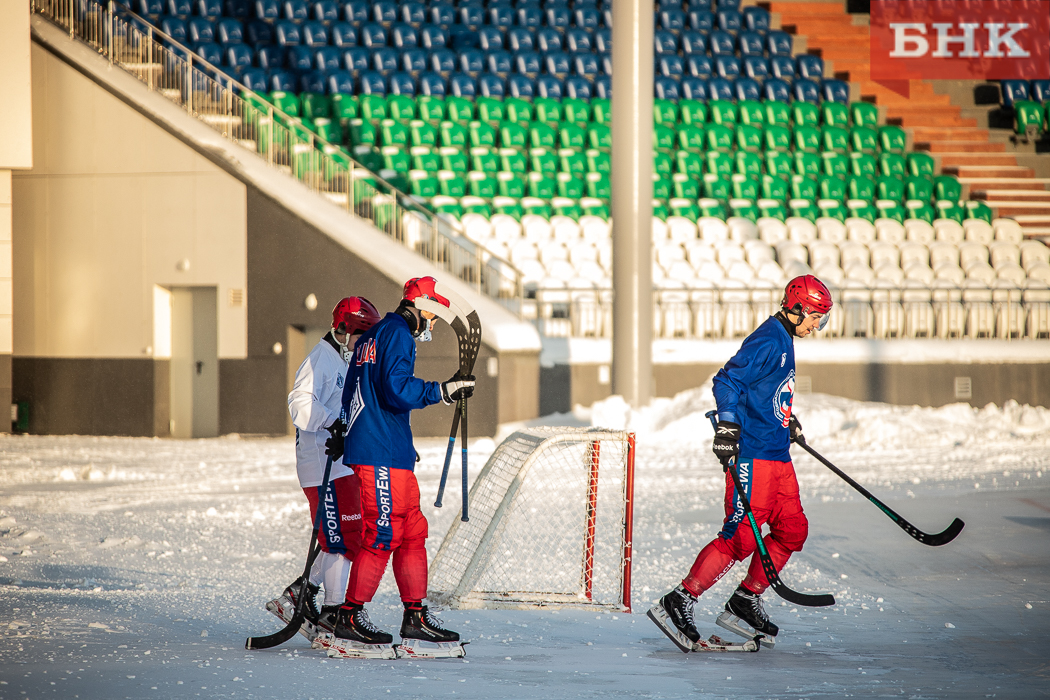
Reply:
x=632, y=200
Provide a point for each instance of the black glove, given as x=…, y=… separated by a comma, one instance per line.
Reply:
x=726, y=444
x=457, y=388
x=795, y=429
x=333, y=446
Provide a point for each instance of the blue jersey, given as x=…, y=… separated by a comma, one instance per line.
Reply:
x=755, y=389
x=380, y=392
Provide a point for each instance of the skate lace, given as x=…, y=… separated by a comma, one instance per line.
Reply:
x=432, y=619
x=757, y=609
x=362, y=621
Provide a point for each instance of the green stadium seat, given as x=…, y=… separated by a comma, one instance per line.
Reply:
x=774, y=187
x=598, y=161
x=779, y=164
x=660, y=210
x=831, y=187
x=482, y=184
x=570, y=185
x=864, y=114
x=424, y=158
x=692, y=112
x=663, y=137
x=368, y=156
x=888, y=187
x=662, y=165
x=451, y=184
x=395, y=158
x=807, y=163
x=717, y=187
x=920, y=164
x=862, y=209
x=749, y=137
x=1029, y=118
x=454, y=159
x=431, y=108
x=833, y=208
x=947, y=187
x=749, y=164
x=891, y=209
x=719, y=137
x=541, y=135
x=601, y=111
x=892, y=139
x=362, y=133
x=546, y=109
x=287, y=102
x=665, y=112
x=978, y=210
x=508, y=205
x=684, y=186
x=744, y=208
x=490, y=109
x=711, y=207
x=891, y=164
x=860, y=187
x=950, y=209
x=576, y=111
x=751, y=112
x=776, y=138
x=920, y=188
x=772, y=208
x=481, y=134
x=422, y=184
x=373, y=107
x=804, y=114
x=453, y=134
x=803, y=187
x=834, y=114
x=512, y=160
x=722, y=112
x=572, y=161
x=920, y=209
x=719, y=163
x=687, y=208
x=542, y=186
x=400, y=107
x=543, y=161
x=513, y=135
x=537, y=206
x=835, y=163
x=484, y=159
x=689, y=163
x=863, y=164
x=344, y=108
x=594, y=206
x=459, y=109
x=806, y=138
x=598, y=185
x=517, y=110
x=834, y=138
x=329, y=130
x=476, y=205
x=422, y=133
x=572, y=136
x=863, y=139
x=599, y=136
x=449, y=205
x=804, y=208
x=315, y=105
x=777, y=113
x=692, y=137
x=744, y=187
x=567, y=206
x=662, y=187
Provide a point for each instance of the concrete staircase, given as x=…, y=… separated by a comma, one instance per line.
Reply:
x=943, y=124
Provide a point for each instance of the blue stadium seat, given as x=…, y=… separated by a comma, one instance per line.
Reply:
x=607, y=19
x=751, y=44
x=384, y=11
x=501, y=14
x=727, y=5
x=371, y=83
x=806, y=91
x=1041, y=90
x=355, y=11
x=603, y=87
x=442, y=13
x=666, y=88
x=300, y=58
x=499, y=62
x=578, y=40
x=670, y=66
x=747, y=89
x=586, y=65
x=606, y=63
x=699, y=5
x=557, y=16
x=672, y=19
x=295, y=9
x=1013, y=90
x=266, y=9
x=326, y=11
x=727, y=67
x=578, y=88
x=237, y=9
x=521, y=86
x=462, y=85
x=432, y=84
x=385, y=59
x=721, y=43
x=229, y=31
x=776, y=90
x=401, y=83
x=404, y=36
x=719, y=89
x=312, y=81
x=694, y=43
x=357, y=60
x=282, y=80
x=210, y=52
x=548, y=39
x=414, y=13
x=259, y=33
x=491, y=85
x=664, y=42
x=339, y=81
x=549, y=86
x=344, y=34
x=200, y=30
x=529, y=16
x=756, y=67
x=521, y=39
x=556, y=63
x=328, y=58
x=287, y=33
x=179, y=8
x=490, y=39
x=461, y=37
x=470, y=15
x=811, y=67
x=434, y=38
x=270, y=57
x=414, y=60
x=239, y=56
x=586, y=17
x=255, y=79
x=729, y=21
x=470, y=61
x=782, y=67
x=699, y=66
x=315, y=33
x=150, y=9
x=701, y=20
x=372, y=35
x=756, y=19
x=208, y=8
x=779, y=43
x=836, y=91
x=442, y=60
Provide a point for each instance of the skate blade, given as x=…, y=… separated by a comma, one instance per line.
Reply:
x=337, y=648
x=659, y=616
x=284, y=613
x=734, y=624
x=716, y=643
x=420, y=649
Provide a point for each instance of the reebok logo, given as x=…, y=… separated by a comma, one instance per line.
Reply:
x=355, y=516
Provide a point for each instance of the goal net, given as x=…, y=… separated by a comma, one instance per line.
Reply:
x=550, y=525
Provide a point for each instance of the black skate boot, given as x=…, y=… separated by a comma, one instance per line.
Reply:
x=746, y=606
x=674, y=615
x=284, y=606
x=326, y=620
x=352, y=636
x=422, y=635
x=352, y=623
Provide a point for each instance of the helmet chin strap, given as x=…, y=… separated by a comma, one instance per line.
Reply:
x=419, y=331
x=344, y=348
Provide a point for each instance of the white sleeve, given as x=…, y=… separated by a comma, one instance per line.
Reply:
x=304, y=403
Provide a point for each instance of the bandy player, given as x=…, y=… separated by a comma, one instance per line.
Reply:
x=755, y=427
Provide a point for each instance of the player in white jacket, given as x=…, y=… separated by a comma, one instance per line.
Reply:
x=315, y=403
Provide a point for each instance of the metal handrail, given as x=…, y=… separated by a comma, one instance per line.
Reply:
x=284, y=142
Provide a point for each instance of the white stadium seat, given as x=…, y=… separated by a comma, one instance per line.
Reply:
x=860, y=230
x=948, y=308
x=830, y=274
x=681, y=271
x=1009, y=314
x=741, y=229
x=740, y=270
x=1003, y=253
x=883, y=253
x=822, y=253
x=918, y=310
x=524, y=250
x=595, y=228
x=942, y=252
x=771, y=230
x=566, y=230
x=853, y=253
x=476, y=226
x=1039, y=272
x=590, y=270
x=680, y=229
x=980, y=316
x=978, y=231
x=552, y=251
x=981, y=272
x=918, y=272
x=912, y=253
x=583, y=252
x=831, y=230
x=660, y=230
x=737, y=319
x=796, y=268
x=729, y=253
x=888, y=273
x=711, y=272
x=855, y=305
x=536, y=228
x=669, y=253
x=700, y=252
x=713, y=230
x=1037, y=304
x=758, y=252
x=1008, y=230
x=707, y=311
x=771, y=271
x=1014, y=274
x=859, y=273
x=948, y=231
x=889, y=231
x=951, y=272
x=801, y=231
x=789, y=252
x=560, y=270
x=918, y=231
x=605, y=256
x=972, y=253
x=1033, y=252
x=886, y=305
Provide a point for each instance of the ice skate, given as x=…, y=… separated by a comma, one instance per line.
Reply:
x=746, y=607
x=355, y=637
x=422, y=637
x=674, y=616
x=284, y=607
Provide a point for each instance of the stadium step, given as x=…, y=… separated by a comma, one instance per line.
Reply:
x=956, y=134
x=989, y=171
x=1006, y=195
x=1013, y=184
x=960, y=146
x=981, y=159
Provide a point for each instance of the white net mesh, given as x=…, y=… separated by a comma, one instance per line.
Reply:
x=547, y=525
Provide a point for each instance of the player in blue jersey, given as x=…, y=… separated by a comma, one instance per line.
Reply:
x=755, y=428
x=380, y=392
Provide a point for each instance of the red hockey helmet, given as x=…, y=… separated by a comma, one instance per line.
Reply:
x=354, y=315
x=423, y=287
x=807, y=295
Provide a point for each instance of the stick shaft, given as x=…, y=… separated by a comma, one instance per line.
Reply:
x=448, y=457
x=463, y=410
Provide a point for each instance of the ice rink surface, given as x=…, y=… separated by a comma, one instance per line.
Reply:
x=135, y=568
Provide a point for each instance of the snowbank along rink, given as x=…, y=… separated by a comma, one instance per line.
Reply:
x=134, y=568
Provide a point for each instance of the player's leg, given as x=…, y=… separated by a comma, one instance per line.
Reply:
x=788, y=526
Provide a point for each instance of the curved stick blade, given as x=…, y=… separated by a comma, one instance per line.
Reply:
x=949, y=534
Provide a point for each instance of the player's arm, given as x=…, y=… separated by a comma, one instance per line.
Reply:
x=304, y=404
x=400, y=388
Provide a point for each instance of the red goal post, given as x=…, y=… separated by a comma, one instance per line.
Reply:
x=551, y=518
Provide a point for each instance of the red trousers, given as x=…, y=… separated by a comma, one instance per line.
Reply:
x=341, y=526
x=393, y=524
x=772, y=490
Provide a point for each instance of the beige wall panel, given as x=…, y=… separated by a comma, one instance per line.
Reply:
x=29, y=241
x=16, y=137
x=6, y=340
x=5, y=189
